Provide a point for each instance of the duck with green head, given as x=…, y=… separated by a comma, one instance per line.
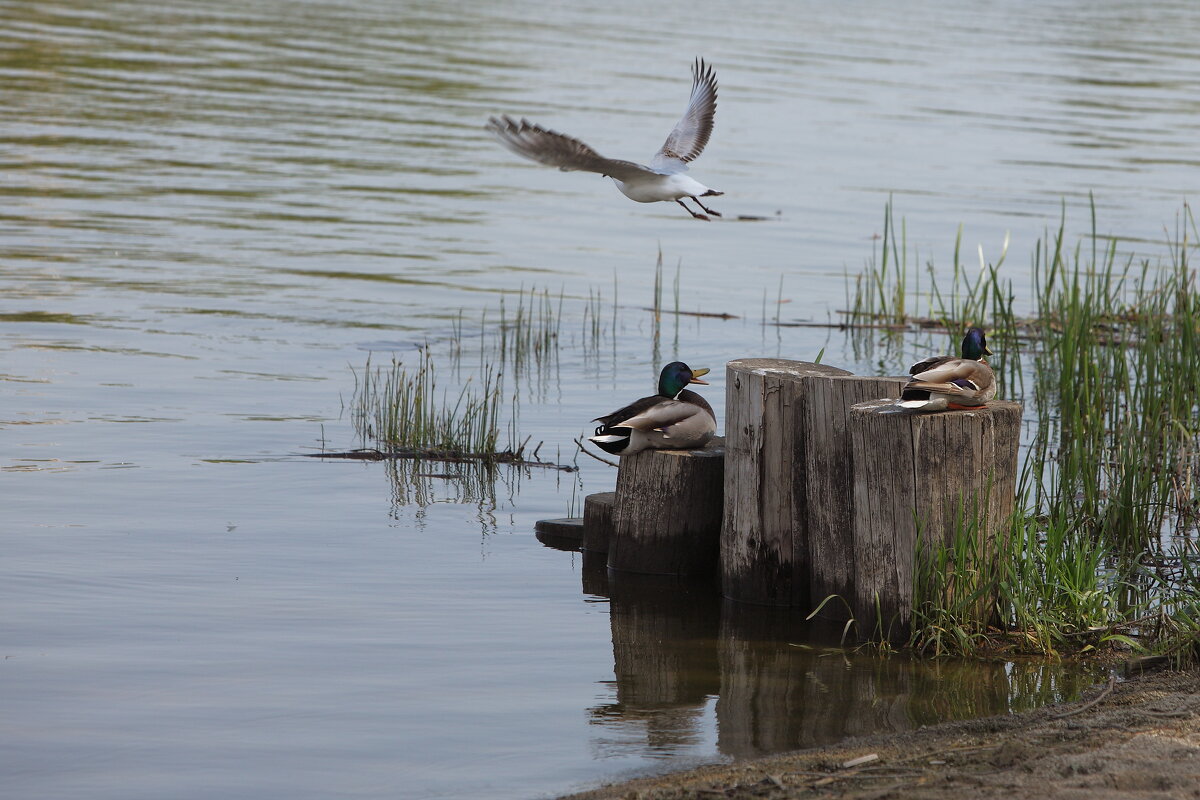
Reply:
x=674, y=419
x=946, y=382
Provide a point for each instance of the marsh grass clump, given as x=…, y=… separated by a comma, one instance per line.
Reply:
x=888, y=293
x=400, y=408
x=1103, y=550
x=881, y=289
x=529, y=334
x=1116, y=380
x=955, y=586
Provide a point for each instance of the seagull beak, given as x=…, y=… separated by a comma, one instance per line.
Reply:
x=697, y=374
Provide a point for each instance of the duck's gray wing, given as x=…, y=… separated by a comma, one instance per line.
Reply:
x=649, y=413
x=556, y=149
x=929, y=363
x=691, y=133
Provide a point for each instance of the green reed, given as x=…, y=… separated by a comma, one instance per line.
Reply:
x=399, y=407
x=954, y=586
x=888, y=292
x=881, y=289
x=530, y=333
x=1107, y=363
x=1115, y=374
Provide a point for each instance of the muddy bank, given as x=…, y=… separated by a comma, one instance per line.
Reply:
x=1136, y=739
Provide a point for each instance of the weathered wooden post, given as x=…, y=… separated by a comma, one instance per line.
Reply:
x=667, y=513
x=564, y=533
x=915, y=475
x=787, y=489
x=598, y=521
x=828, y=475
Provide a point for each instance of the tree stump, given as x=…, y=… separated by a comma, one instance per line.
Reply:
x=785, y=489
x=915, y=475
x=598, y=521
x=827, y=472
x=667, y=514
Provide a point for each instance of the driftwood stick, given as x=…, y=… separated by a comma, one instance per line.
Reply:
x=587, y=452
x=1112, y=684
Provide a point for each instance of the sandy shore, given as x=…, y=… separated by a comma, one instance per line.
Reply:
x=1134, y=739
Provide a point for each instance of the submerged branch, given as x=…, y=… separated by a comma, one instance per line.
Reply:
x=445, y=456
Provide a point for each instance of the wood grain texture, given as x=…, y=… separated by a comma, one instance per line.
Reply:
x=781, y=477
x=829, y=476
x=668, y=511
x=598, y=521
x=912, y=472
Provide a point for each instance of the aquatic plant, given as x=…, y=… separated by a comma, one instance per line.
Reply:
x=1105, y=537
x=529, y=333
x=399, y=407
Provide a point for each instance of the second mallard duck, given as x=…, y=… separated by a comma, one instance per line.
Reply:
x=946, y=382
x=674, y=419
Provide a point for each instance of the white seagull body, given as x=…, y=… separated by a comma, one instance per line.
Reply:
x=662, y=181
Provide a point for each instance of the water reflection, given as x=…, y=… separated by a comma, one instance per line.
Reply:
x=779, y=683
x=664, y=637
x=211, y=208
x=422, y=483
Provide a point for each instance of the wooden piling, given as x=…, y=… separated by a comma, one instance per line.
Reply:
x=915, y=472
x=667, y=513
x=564, y=533
x=828, y=476
x=787, y=499
x=598, y=521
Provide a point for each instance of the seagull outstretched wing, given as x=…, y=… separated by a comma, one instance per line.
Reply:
x=691, y=133
x=556, y=149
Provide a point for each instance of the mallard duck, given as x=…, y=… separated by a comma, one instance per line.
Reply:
x=946, y=382
x=664, y=180
x=674, y=419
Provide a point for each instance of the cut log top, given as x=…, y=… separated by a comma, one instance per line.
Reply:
x=783, y=367
x=887, y=407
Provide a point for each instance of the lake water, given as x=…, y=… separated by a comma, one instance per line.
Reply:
x=212, y=212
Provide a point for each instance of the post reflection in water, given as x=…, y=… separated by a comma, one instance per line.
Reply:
x=779, y=683
x=664, y=634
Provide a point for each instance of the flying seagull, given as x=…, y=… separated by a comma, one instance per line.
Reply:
x=663, y=180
